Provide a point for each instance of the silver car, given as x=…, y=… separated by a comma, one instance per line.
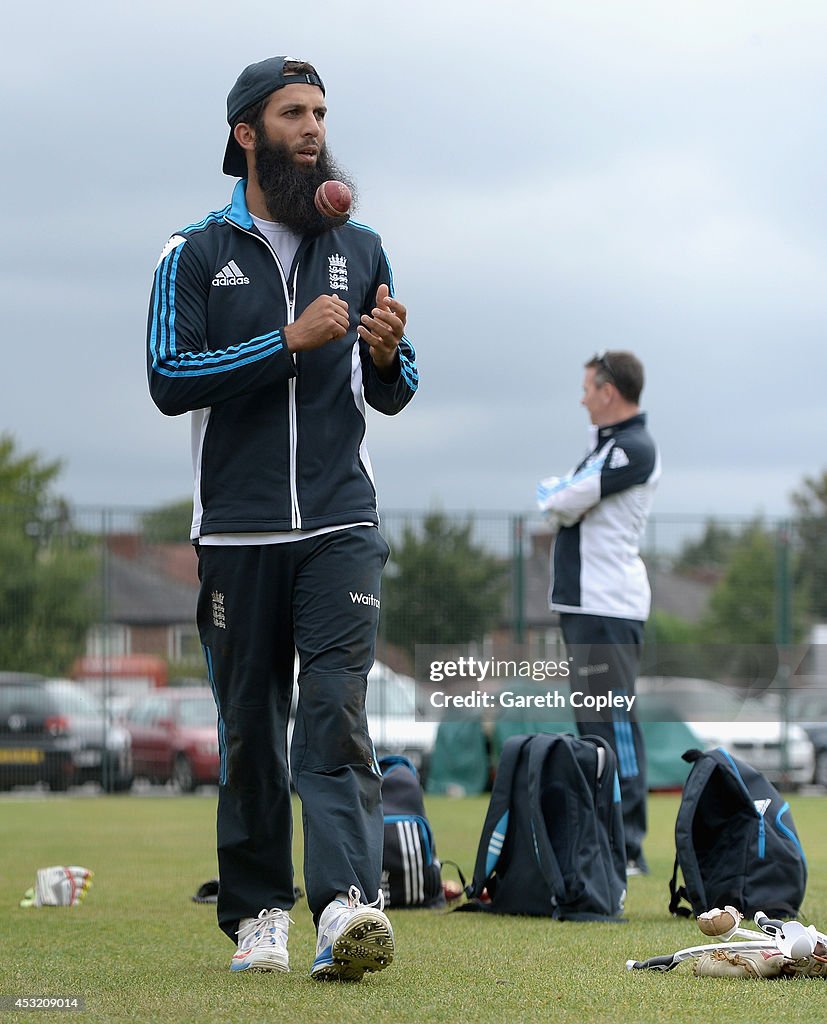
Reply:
x=748, y=727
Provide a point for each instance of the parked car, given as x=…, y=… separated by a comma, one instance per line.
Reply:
x=118, y=680
x=807, y=707
x=54, y=731
x=817, y=731
x=175, y=736
x=748, y=727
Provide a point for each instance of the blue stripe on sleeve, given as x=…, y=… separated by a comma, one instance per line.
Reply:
x=211, y=218
x=165, y=359
x=591, y=469
x=390, y=271
x=408, y=368
x=220, y=360
x=170, y=351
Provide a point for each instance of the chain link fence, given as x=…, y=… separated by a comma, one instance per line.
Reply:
x=106, y=598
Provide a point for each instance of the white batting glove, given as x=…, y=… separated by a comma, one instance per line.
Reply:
x=58, y=886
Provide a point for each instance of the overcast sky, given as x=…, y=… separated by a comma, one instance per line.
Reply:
x=549, y=178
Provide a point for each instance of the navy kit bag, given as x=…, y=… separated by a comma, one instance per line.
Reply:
x=552, y=843
x=735, y=842
x=411, y=871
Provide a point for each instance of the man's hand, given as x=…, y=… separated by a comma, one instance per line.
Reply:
x=383, y=330
x=324, y=320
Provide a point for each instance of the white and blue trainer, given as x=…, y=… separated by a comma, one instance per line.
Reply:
x=262, y=942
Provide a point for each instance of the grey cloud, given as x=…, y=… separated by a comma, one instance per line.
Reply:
x=549, y=179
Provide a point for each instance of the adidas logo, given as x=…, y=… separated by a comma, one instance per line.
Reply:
x=618, y=458
x=231, y=274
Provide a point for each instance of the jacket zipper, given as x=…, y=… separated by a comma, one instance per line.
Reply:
x=294, y=417
x=290, y=298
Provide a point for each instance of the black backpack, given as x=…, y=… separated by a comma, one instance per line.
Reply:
x=735, y=841
x=552, y=843
x=411, y=872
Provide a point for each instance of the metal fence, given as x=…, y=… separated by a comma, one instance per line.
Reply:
x=114, y=582
x=107, y=596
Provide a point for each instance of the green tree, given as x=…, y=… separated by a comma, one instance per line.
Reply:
x=46, y=604
x=743, y=608
x=168, y=524
x=712, y=550
x=675, y=647
x=441, y=587
x=665, y=628
x=810, y=503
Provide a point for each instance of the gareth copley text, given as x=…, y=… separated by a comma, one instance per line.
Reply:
x=550, y=699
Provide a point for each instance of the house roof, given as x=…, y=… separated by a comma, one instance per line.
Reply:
x=679, y=595
x=139, y=594
x=158, y=585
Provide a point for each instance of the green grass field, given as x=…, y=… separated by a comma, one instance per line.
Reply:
x=138, y=949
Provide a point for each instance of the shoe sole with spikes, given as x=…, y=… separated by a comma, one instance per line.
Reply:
x=364, y=947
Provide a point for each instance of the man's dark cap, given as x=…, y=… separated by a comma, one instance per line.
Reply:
x=255, y=83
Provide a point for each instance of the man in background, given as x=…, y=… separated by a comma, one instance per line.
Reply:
x=599, y=584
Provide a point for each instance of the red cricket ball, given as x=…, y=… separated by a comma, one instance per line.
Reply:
x=333, y=199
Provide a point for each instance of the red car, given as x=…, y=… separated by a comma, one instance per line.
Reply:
x=175, y=737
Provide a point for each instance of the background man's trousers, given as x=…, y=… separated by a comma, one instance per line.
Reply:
x=606, y=654
x=257, y=606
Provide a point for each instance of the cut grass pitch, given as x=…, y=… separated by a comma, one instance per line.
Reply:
x=138, y=948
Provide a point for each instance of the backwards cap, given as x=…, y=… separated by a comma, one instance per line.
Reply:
x=253, y=84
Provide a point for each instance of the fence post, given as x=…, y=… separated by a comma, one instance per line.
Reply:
x=106, y=679
x=783, y=634
x=518, y=561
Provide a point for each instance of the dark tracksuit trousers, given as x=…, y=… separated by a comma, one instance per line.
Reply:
x=606, y=654
x=257, y=607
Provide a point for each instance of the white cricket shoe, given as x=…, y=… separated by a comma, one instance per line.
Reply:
x=262, y=942
x=354, y=939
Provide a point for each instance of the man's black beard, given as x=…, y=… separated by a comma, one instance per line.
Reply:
x=289, y=188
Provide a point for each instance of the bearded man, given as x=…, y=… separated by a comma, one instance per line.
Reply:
x=272, y=325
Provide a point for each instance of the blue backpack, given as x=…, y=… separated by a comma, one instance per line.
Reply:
x=735, y=842
x=411, y=871
x=552, y=843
